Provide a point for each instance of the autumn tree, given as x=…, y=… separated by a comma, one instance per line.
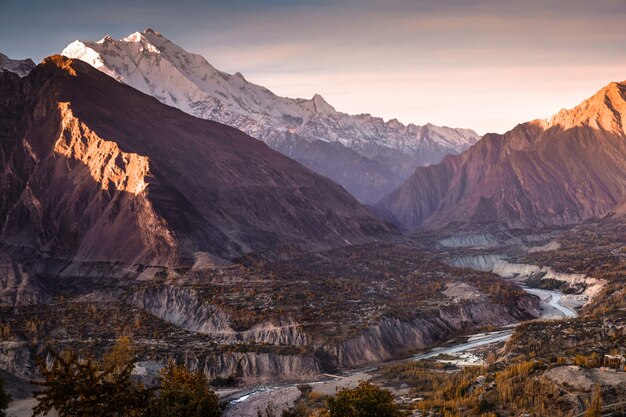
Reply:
x=595, y=405
x=121, y=354
x=366, y=400
x=185, y=394
x=74, y=387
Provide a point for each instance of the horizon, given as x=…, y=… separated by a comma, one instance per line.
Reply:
x=425, y=63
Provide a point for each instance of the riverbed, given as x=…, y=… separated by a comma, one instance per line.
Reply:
x=247, y=402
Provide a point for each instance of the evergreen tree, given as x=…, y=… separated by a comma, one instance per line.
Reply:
x=5, y=399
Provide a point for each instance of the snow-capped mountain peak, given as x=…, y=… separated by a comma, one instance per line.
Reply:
x=321, y=106
x=154, y=65
x=107, y=38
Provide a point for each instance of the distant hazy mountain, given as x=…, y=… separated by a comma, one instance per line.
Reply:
x=558, y=171
x=93, y=170
x=19, y=66
x=366, y=155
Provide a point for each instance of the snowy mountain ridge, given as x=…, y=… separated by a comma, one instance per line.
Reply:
x=156, y=66
x=19, y=66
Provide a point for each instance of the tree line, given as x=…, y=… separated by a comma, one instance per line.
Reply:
x=77, y=386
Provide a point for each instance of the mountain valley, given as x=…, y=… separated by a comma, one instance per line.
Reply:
x=286, y=253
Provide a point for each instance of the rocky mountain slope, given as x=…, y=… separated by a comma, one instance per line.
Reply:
x=559, y=171
x=19, y=66
x=280, y=320
x=368, y=156
x=95, y=171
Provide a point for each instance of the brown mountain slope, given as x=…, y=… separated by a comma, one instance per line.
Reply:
x=93, y=170
x=558, y=171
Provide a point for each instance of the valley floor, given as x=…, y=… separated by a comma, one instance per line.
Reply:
x=328, y=319
x=282, y=397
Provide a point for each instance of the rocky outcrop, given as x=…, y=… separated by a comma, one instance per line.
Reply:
x=483, y=262
x=261, y=366
x=392, y=337
x=284, y=333
x=388, y=337
x=550, y=246
x=383, y=340
x=545, y=172
x=184, y=308
x=17, y=359
x=468, y=240
x=283, y=351
x=582, y=379
x=17, y=287
x=586, y=288
x=73, y=194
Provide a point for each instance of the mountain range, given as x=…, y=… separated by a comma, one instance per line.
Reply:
x=19, y=66
x=137, y=200
x=558, y=171
x=92, y=170
x=366, y=155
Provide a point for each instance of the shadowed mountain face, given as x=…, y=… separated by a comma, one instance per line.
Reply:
x=93, y=170
x=545, y=172
x=366, y=155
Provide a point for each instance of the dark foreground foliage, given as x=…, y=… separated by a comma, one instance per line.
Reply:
x=83, y=387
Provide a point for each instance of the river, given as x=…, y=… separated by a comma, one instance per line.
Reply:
x=245, y=403
x=552, y=299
